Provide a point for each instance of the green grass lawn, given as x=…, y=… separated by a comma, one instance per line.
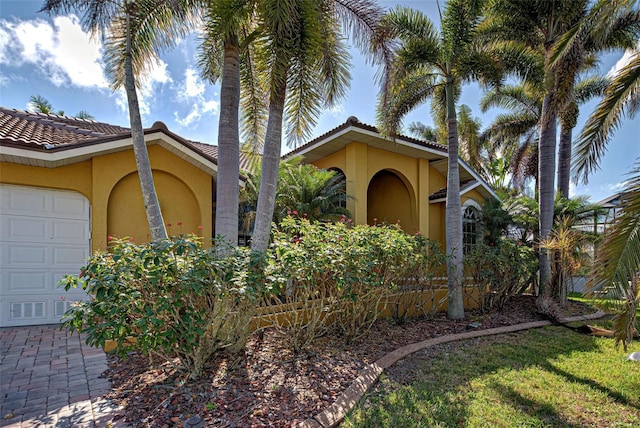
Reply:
x=549, y=377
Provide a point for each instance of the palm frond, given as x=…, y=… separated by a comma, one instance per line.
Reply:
x=622, y=99
x=253, y=99
x=409, y=93
x=619, y=255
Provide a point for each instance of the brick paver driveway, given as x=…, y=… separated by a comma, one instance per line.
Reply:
x=51, y=378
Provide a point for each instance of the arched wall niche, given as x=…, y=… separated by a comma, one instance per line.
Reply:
x=126, y=216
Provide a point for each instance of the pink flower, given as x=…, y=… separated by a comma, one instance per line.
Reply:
x=418, y=233
x=131, y=239
x=201, y=227
x=109, y=238
x=295, y=213
x=288, y=212
x=179, y=223
x=61, y=297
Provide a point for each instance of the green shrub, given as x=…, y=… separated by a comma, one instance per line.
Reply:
x=501, y=270
x=338, y=276
x=173, y=298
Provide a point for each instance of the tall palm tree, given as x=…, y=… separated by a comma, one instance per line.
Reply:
x=227, y=33
x=135, y=30
x=539, y=24
x=582, y=91
x=434, y=65
x=307, y=62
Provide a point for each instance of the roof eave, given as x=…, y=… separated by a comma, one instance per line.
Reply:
x=79, y=152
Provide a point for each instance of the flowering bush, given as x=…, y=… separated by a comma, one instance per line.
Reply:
x=173, y=298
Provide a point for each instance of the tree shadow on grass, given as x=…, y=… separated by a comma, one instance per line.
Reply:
x=544, y=413
x=441, y=371
x=615, y=395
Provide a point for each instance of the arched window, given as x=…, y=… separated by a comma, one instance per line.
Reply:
x=470, y=228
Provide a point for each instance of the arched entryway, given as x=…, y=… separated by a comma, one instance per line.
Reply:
x=389, y=200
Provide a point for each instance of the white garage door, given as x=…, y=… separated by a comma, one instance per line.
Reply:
x=44, y=234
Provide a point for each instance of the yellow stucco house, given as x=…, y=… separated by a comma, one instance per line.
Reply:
x=401, y=181
x=67, y=184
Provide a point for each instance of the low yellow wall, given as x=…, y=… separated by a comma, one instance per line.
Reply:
x=281, y=314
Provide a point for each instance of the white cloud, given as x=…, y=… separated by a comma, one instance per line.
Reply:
x=60, y=50
x=614, y=187
x=624, y=60
x=147, y=89
x=196, y=112
x=337, y=111
x=192, y=92
x=194, y=87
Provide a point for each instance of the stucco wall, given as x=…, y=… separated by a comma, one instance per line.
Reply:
x=184, y=193
x=109, y=182
x=402, y=196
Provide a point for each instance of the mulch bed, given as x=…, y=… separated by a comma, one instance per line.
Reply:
x=269, y=385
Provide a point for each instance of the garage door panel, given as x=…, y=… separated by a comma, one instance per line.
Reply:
x=69, y=257
x=21, y=229
x=27, y=282
x=31, y=255
x=69, y=231
x=44, y=235
x=70, y=205
x=23, y=201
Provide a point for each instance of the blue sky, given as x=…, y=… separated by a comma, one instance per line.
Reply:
x=52, y=57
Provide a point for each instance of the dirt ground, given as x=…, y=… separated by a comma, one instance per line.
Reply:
x=271, y=386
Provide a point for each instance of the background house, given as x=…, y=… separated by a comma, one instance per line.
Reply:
x=67, y=184
x=395, y=181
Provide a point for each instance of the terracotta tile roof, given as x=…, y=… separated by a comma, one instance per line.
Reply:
x=212, y=151
x=442, y=193
x=41, y=131
x=353, y=121
x=24, y=128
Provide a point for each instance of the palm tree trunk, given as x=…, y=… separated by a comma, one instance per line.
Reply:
x=455, y=308
x=228, y=176
x=270, y=169
x=546, y=187
x=564, y=160
x=149, y=196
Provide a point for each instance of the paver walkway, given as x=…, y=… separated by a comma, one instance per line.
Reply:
x=51, y=378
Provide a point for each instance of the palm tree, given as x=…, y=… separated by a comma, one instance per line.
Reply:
x=42, y=105
x=135, y=30
x=471, y=147
x=432, y=65
x=514, y=134
x=221, y=50
x=303, y=190
x=539, y=24
x=307, y=63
